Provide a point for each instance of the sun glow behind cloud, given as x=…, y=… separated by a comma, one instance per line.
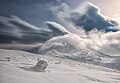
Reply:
x=110, y=8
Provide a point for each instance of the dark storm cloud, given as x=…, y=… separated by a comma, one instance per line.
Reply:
x=16, y=30
x=89, y=17
x=33, y=1
x=34, y=11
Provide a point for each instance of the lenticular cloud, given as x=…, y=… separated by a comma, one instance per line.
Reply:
x=19, y=31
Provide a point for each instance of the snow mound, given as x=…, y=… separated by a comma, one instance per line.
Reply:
x=40, y=66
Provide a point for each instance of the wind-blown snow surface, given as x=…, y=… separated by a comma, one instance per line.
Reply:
x=16, y=67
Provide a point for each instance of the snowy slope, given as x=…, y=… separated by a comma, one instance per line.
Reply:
x=17, y=70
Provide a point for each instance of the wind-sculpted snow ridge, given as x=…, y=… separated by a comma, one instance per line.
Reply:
x=16, y=30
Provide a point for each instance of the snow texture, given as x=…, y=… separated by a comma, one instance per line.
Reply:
x=19, y=70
